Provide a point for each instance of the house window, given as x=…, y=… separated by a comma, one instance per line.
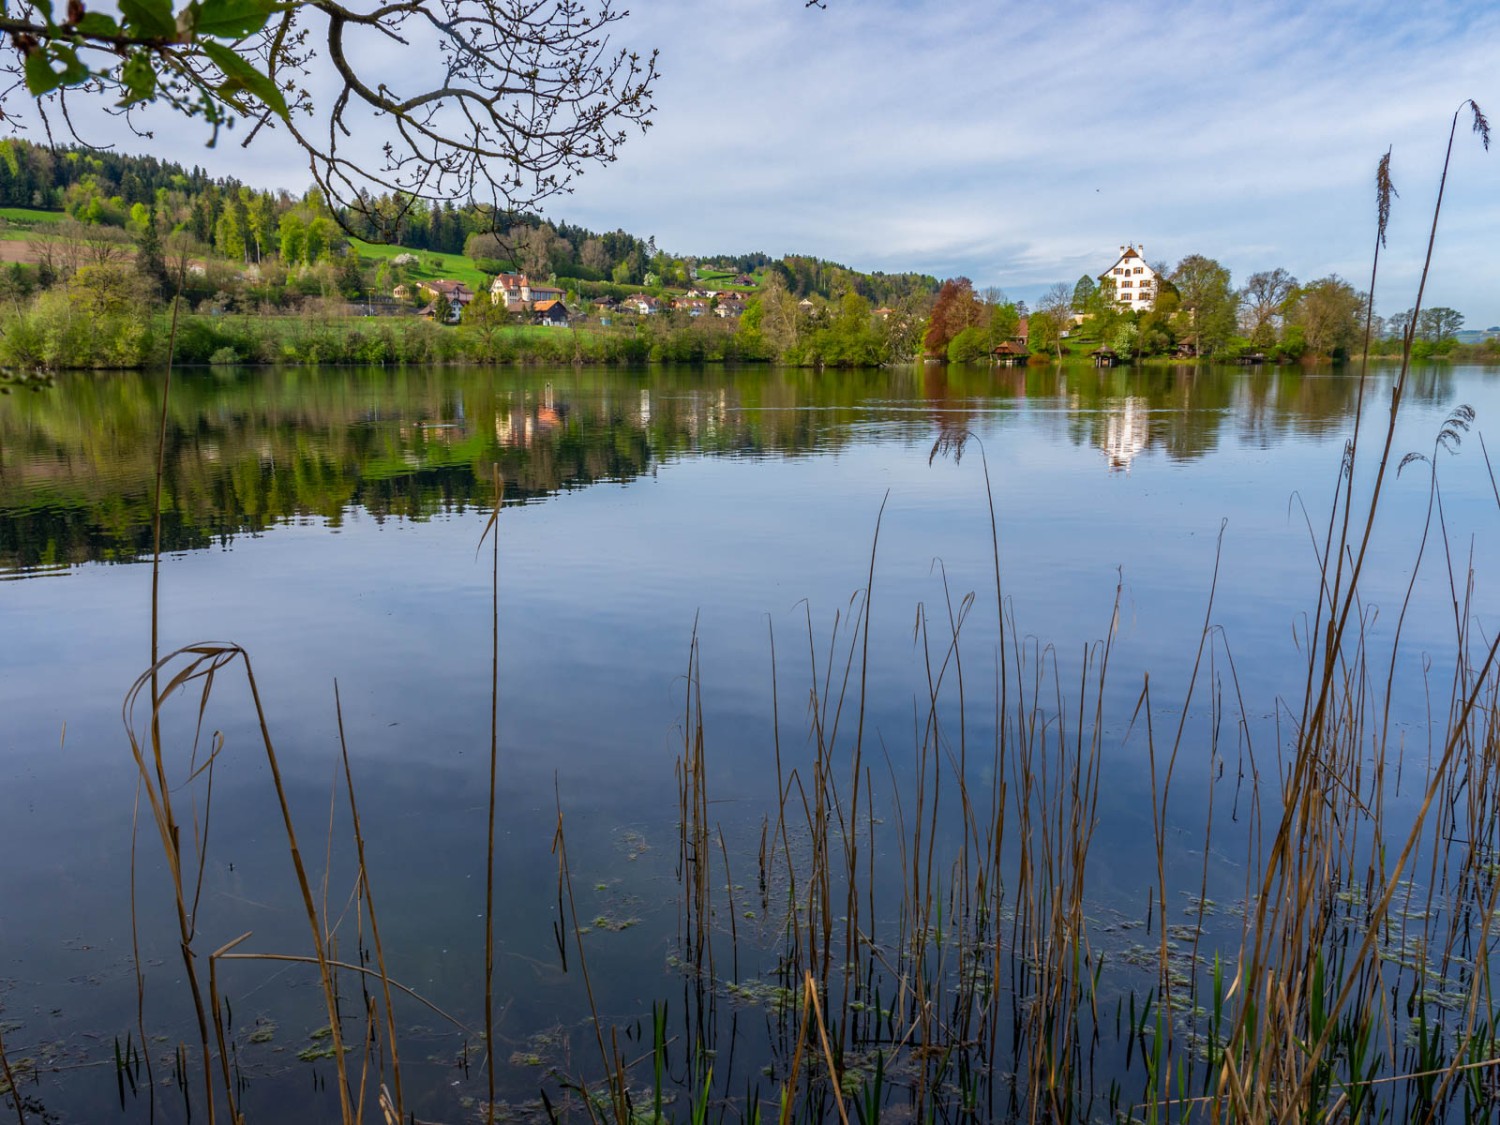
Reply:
x=1118, y=271
x=1125, y=284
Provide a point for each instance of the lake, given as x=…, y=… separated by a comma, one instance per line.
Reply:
x=679, y=551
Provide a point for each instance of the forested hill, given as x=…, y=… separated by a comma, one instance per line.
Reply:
x=241, y=221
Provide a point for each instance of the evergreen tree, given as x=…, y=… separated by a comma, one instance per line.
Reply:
x=150, y=262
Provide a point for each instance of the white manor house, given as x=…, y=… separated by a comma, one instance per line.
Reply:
x=1135, y=282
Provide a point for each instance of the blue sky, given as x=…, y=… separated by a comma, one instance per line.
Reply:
x=1021, y=146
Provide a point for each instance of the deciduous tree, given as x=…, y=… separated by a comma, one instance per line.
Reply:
x=1263, y=304
x=1057, y=302
x=956, y=309
x=293, y=238
x=535, y=247
x=1328, y=311
x=1439, y=323
x=1207, y=303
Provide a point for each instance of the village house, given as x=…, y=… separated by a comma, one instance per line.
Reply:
x=517, y=293
x=730, y=307
x=1135, y=283
x=693, y=306
x=551, y=312
x=456, y=293
x=641, y=303
x=1014, y=351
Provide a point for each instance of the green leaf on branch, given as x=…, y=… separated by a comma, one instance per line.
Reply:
x=40, y=77
x=74, y=71
x=149, y=19
x=98, y=25
x=240, y=75
x=138, y=77
x=230, y=19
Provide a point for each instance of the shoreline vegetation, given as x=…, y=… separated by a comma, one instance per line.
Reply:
x=44, y=342
x=100, y=250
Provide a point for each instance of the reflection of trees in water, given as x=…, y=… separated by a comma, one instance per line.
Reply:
x=248, y=449
x=1185, y=411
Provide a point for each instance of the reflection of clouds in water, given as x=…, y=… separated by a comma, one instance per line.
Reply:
x=1125, y=434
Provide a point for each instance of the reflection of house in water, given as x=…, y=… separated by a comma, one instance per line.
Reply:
x=547, y=414
x=1125, y=433
x=521, y=425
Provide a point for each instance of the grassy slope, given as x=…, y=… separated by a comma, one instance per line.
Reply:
x=454, y=266
x=21, y=224
x=28, y=215
x=723, y=279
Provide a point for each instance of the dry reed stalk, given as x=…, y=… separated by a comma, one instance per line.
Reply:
x=171, y=833
x=789, y=1091
x=351, y=967
x=203, y=662
x=10, y=1081
x=856, y=766
x=695, y=848
x=491, y=525
x=613, y=1061
x=219, y=1032
x=810, y=990
x=369, y=897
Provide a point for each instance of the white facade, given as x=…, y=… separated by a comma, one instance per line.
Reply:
x=1135, y=282
x=517, y=293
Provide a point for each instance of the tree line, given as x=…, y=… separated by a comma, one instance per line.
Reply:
x=242, y=224
x=1197, y=311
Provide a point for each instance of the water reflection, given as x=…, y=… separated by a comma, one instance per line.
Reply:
x=1126, y=434
x=248, y=449
x=760, y=521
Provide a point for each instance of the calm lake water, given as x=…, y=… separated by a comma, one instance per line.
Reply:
x=331, y=523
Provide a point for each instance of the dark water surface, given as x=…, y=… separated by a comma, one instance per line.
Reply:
x=330, y=523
